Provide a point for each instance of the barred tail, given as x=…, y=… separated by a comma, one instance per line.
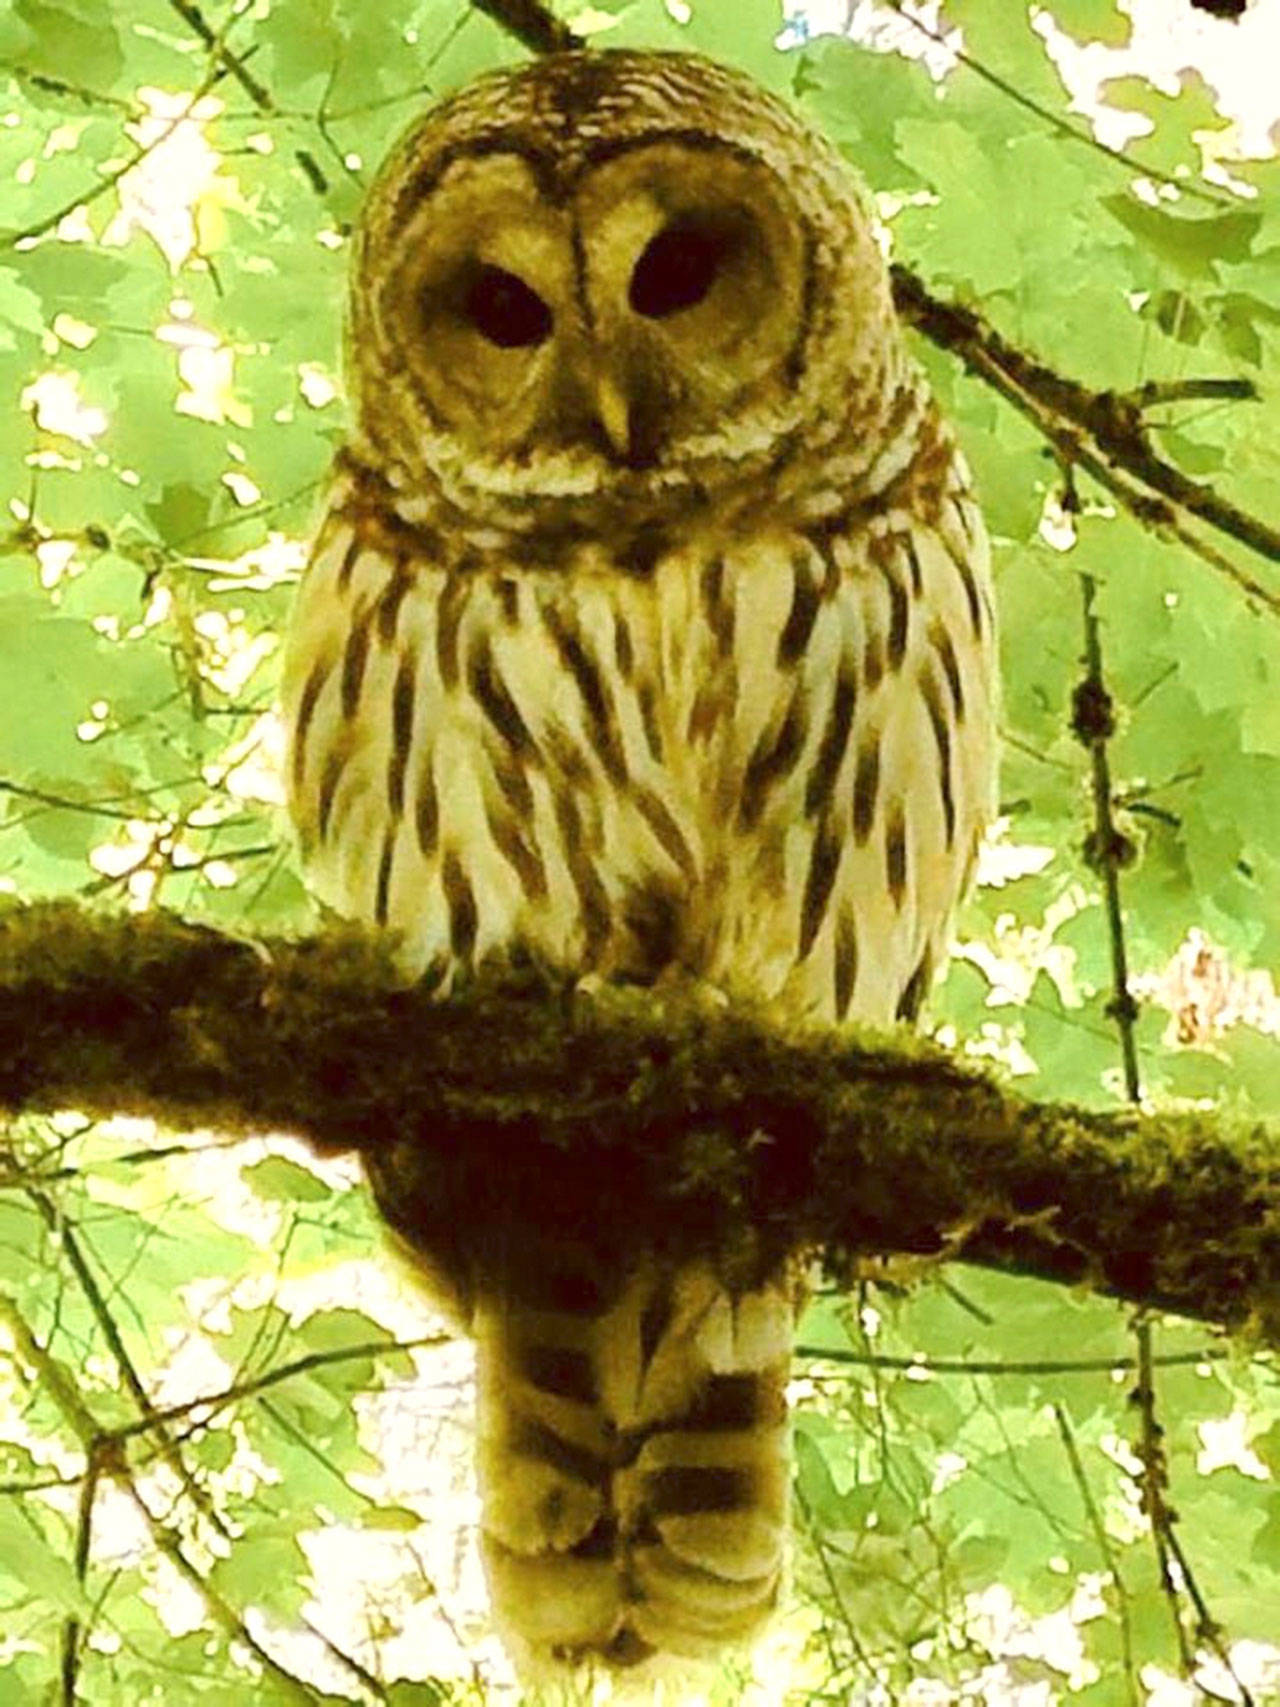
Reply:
x=634, y=1459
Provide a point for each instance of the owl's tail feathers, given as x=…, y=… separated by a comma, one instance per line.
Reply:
x=634, y=1461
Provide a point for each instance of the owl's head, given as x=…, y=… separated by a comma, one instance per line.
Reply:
x=612, y=276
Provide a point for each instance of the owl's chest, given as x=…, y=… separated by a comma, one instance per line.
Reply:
x=526, y=721
x=697, y=759
x=660, y=683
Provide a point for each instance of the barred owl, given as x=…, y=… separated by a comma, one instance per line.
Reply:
x=647, y=633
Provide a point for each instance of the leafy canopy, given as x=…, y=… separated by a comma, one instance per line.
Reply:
x=179, y=186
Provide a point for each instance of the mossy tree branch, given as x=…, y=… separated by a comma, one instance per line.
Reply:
x=653, y=1119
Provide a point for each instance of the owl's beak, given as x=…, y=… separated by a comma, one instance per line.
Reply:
x=614, y=414
x=596, y=402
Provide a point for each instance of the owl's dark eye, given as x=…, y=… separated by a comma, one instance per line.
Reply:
x=677, y=269
x=504, y=310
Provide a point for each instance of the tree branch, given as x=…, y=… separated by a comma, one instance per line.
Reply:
x=532, y=24
x=104, y=1456
x=655, y=1119
x=235, y=65
x=62, y=1231
x=250, y=1386
x=1153, y=1485
x=1102, y=431
x=1107, y=849
x=1105, y=1550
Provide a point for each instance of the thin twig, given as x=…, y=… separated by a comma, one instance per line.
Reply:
x=13, y=1173
x=108, y=1458
x=85, y=198
x=1104, y=1547
x=63, y=803
x=859, y=1652
x=232, y=63
x=1107, y=849
x=61, y=1229
x=73, y=91
x=254, y=1385
x=1157, y=681
x=349, y=1662
x=1013, y=1366
x=1153, y=1485
x=235, y=66
x=73, y=1630
x=224, y=1614
x=1209, y=1632
x=1157, y=391
x=1011, y=738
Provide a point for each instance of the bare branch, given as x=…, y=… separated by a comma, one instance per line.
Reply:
x=64, y=1234
x=64, y=803
x=234, y=65
x=1105, y=1548
x=1102, y=431
x=1018, y=1367
x=1153, y=1486
x=532, y=23
x=1107, y=850
x=821, y=1547
x=1157, y=391
x=48, y=85
x=251, y=1386
x=73, y=1630
x=105, y=1455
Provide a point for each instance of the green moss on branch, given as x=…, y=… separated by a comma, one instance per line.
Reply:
x=636, y=1119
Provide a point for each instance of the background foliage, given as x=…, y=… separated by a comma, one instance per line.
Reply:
x=975, y=1480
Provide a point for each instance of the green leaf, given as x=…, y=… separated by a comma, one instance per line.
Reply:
x=30, y=1560
x=278, y=1179
x=259, y=1565
x=1093, y=20
x=181, y=511
x=407, y=1694
x=19, y=309
x=1194, y=246
x=73, y=40
x=1175, y=119
x=858, y=98
x=396, y=1519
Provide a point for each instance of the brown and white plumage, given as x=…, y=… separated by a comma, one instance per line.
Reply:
x=648, y=631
